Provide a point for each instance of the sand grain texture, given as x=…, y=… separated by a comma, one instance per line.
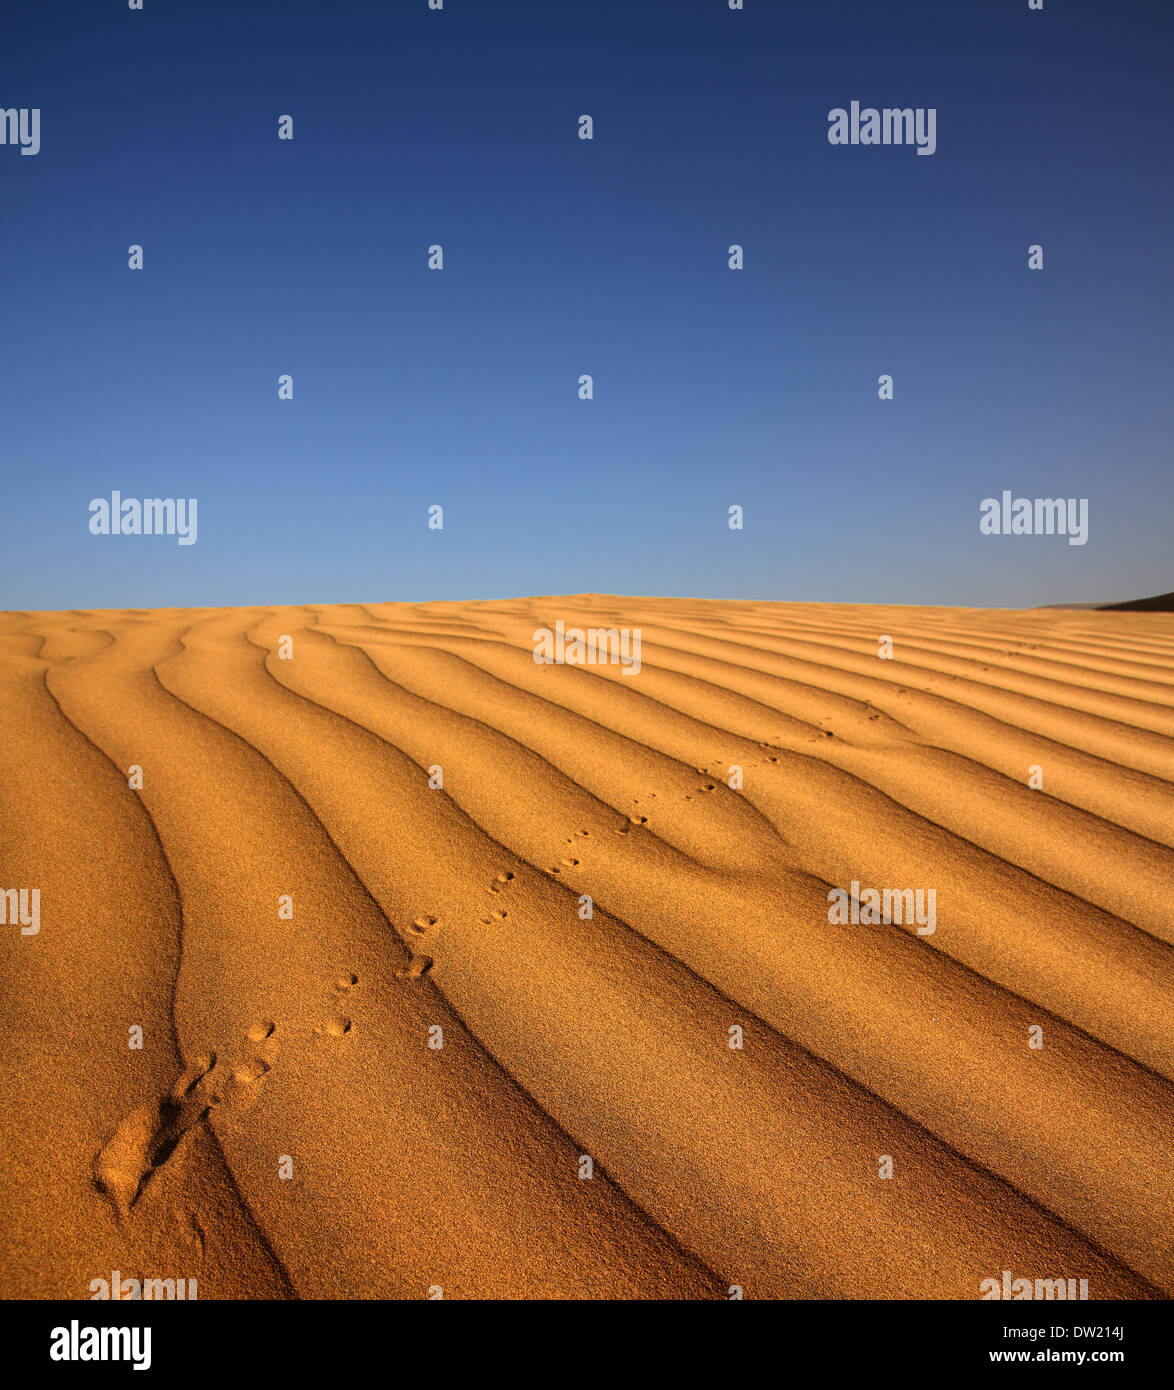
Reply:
x=415, y=1168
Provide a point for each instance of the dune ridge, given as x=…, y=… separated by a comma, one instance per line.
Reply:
x=414, y=907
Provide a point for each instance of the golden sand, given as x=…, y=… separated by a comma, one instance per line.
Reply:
x=289, y=1125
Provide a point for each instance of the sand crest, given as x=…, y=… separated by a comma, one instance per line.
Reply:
x=459, y=972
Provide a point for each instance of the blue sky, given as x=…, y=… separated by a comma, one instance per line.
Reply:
x=460, y=387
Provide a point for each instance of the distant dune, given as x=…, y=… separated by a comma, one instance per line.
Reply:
x=1160, y=603
x=589, y=912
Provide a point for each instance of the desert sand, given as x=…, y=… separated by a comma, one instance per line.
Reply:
x=288, y=910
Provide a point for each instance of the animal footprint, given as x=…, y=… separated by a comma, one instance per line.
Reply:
x=416, y=967
x=143, y=1142
x=191, y=1076
x=152, y=1132
x=245, y=1073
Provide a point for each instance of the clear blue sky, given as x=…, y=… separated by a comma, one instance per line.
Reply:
x=563, y=257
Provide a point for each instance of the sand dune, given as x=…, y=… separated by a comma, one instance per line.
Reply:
x=289, y=1126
